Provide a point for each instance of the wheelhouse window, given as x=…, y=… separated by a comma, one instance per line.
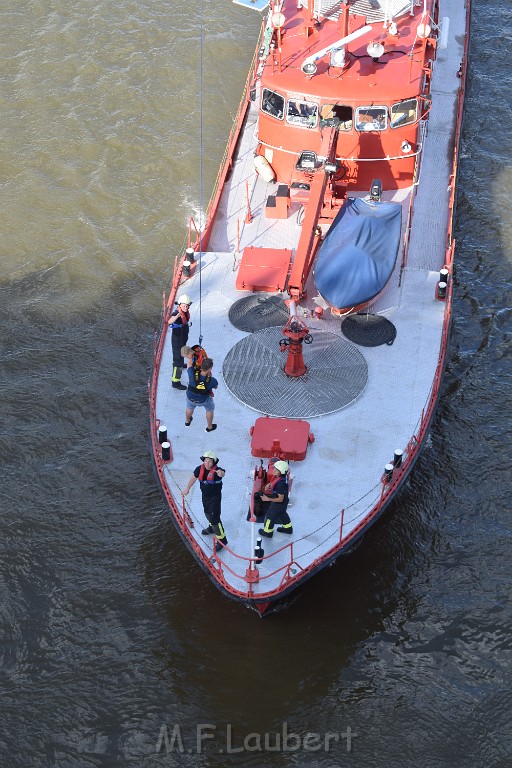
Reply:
x=371, y=118
x=404, y=112
x=336, y=114
x=303, y=113
x=272, y=103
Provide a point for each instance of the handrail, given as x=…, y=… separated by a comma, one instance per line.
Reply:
x=226, y=161
x=190, y=223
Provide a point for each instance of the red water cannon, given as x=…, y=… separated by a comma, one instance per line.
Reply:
x=296, y=333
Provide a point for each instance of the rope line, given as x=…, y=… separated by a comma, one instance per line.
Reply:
x=200, y=166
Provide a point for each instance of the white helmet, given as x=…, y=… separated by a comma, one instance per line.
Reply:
x=184, y=299
x=281, y=466
x=209, y=455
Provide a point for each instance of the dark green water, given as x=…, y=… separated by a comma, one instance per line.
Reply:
x=111, y=637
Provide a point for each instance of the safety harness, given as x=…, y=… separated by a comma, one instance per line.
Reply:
x=271, y=485
x=210, y=477
x=200, y=387
x=184, y=317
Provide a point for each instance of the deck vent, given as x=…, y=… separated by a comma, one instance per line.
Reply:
x=257, y=311
x=368, y=330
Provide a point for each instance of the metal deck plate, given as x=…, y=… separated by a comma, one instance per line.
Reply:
x=257, y=311
x=369, y=330
x=337, y=373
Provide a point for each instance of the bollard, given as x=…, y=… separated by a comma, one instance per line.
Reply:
x=258, y=552
x=397, y=458
x=186, y=269
x=190, y=255
x=166, y=451
x=441, y=290
x=388, y=473
x=162, y=434
x=443, y=275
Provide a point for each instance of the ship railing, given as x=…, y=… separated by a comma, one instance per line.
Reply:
x=414, y=187
x=349, y=527
x=227, y=160
x=453, y=176
x=224, y=168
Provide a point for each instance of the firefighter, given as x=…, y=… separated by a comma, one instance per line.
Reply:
x=210, y=477
x=179, y=322
x=201, y=384
x=275, y=501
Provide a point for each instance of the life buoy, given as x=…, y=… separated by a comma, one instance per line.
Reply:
x=264, y=169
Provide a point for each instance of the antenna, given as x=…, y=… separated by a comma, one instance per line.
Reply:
x=309, y=66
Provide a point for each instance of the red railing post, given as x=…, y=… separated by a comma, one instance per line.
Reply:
x=248, y=215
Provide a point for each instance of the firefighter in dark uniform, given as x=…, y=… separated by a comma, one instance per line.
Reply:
x=210, y=477
x=275, y=501
x=179, y=322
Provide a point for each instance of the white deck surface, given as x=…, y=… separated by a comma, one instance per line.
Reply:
x=344, y=465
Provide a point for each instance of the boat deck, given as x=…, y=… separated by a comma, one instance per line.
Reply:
x=352, y=444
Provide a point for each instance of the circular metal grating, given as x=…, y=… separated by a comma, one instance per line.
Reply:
x=337, y=373
x=257, y=311
x=368, y=330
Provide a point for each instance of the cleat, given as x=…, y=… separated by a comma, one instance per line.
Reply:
x=284, y=530
x=265, y=533
x=210, y=429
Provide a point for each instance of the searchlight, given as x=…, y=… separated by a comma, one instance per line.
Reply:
x=309, y=64
x=375, y=50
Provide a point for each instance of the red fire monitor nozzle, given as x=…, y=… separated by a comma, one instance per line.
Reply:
x=296, y=332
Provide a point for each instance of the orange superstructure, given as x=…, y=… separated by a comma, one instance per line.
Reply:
x=378, y=101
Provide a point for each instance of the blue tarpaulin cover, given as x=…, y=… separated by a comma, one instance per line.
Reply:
x=359, y=252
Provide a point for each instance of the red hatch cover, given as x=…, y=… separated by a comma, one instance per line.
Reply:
x=286, y=438
x=263, y=269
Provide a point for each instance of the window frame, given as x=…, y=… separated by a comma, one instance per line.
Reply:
x=357, y=122
x=266, y=112
x=409, y=122
x=330, y=120
x=308, y=104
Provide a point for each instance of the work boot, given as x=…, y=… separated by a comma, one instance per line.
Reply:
x=265, y=533
x=219, y=545
x=176, y=378
x=284, y=530
x=207, y=531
